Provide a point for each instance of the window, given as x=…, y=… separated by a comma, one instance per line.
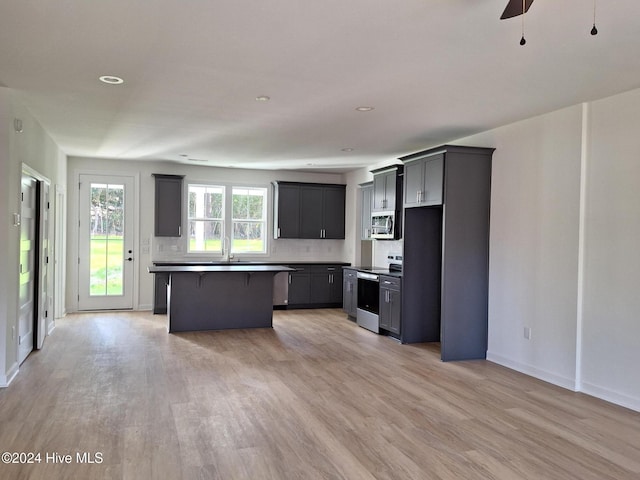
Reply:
x=249, y=220
x=214, y=211
x=206, y=218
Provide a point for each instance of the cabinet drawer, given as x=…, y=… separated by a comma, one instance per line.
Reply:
x=390, y=282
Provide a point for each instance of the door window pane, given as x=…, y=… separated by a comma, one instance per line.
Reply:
x=106, y=244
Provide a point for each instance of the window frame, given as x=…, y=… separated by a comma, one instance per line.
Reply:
x=227, y=218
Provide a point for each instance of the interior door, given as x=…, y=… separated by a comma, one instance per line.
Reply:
x=28, y=278
x=44, y=311
x=106, y=257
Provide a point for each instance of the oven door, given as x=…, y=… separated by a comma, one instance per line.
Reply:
x=368, y=301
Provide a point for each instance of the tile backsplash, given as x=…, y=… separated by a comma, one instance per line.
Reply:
x=382, y=248
x=171, y=248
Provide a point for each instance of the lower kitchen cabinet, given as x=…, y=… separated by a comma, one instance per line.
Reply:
x=390, y=314
x=350, y=292
x=299, y=287
x=315, y=286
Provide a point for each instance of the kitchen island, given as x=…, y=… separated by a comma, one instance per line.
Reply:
x=219, y=297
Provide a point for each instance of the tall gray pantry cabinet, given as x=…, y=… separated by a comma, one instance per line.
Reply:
x=446, y=250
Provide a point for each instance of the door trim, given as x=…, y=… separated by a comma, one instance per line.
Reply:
x=73, y=249
x=40, y=322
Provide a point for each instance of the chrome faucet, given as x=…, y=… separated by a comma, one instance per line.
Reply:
x=226, y=250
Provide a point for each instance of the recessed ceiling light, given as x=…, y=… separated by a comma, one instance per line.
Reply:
x=348, y=149
x=263, y=98
x=364, y=109
x=111, y=80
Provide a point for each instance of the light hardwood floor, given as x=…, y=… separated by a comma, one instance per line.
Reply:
x=316, y=397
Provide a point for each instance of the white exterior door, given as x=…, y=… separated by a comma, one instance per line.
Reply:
x=106, y=256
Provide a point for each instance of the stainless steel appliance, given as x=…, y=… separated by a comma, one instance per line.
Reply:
x=368, y=301
x=280, y=289
x=383, y=225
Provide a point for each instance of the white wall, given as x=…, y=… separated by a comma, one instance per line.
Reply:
x=175, y=249
x=538, y=275
x=32, y=147
x=535, y=203
x=611, y=318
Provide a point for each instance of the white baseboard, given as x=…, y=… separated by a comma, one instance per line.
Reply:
x=611, y=396
x=5, y=380
x=144, y=307
x=550, y=377
x=52, y=327
x=568, y=383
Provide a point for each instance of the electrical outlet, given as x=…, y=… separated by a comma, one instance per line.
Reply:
x=527, y=333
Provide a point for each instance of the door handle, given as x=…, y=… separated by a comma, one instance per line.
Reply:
x=130, y=259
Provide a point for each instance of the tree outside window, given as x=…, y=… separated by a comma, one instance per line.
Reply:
x=249, y=220
x=206, y=218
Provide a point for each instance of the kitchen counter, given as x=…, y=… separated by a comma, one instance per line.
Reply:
x=377, y=271
x=219, y=297
x=242, y=262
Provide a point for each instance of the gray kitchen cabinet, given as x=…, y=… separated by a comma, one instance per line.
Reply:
x=299, y=287
x=286, y=220
x=333, y=211
x=315, y=286
x=349, y=292
x=390, y=304
x=168, y=205
x=366, y=195
x=326, y=285
x=313, y=210
x=446, y=257
x=386, y=185
x=423, y=180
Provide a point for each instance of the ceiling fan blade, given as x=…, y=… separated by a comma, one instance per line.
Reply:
x=514, y=8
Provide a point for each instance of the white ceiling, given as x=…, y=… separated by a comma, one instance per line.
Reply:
x=435, y=71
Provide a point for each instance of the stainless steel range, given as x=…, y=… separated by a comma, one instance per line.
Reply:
x=368, y=301
x=369, y=292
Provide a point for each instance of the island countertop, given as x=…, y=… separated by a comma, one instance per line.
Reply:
x=238, y=267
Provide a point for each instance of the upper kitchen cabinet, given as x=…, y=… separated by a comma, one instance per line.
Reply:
x=423, y=179
x=387, y=188
x=168, y=205
x=286, y=218
x=309, y=210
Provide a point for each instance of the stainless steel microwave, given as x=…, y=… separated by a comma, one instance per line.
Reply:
x=383, y=225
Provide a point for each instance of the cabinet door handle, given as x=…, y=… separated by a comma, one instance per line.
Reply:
x=179, y=230
x=289, y=279
x=278, y=232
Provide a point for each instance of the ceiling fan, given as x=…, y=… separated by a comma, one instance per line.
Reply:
x=515, y=8
x=520, y=7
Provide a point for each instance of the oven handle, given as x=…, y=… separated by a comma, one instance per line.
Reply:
x=368, y=276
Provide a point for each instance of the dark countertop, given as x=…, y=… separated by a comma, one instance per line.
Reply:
x=159, y=263
x=217, y=268
x=377, y=271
